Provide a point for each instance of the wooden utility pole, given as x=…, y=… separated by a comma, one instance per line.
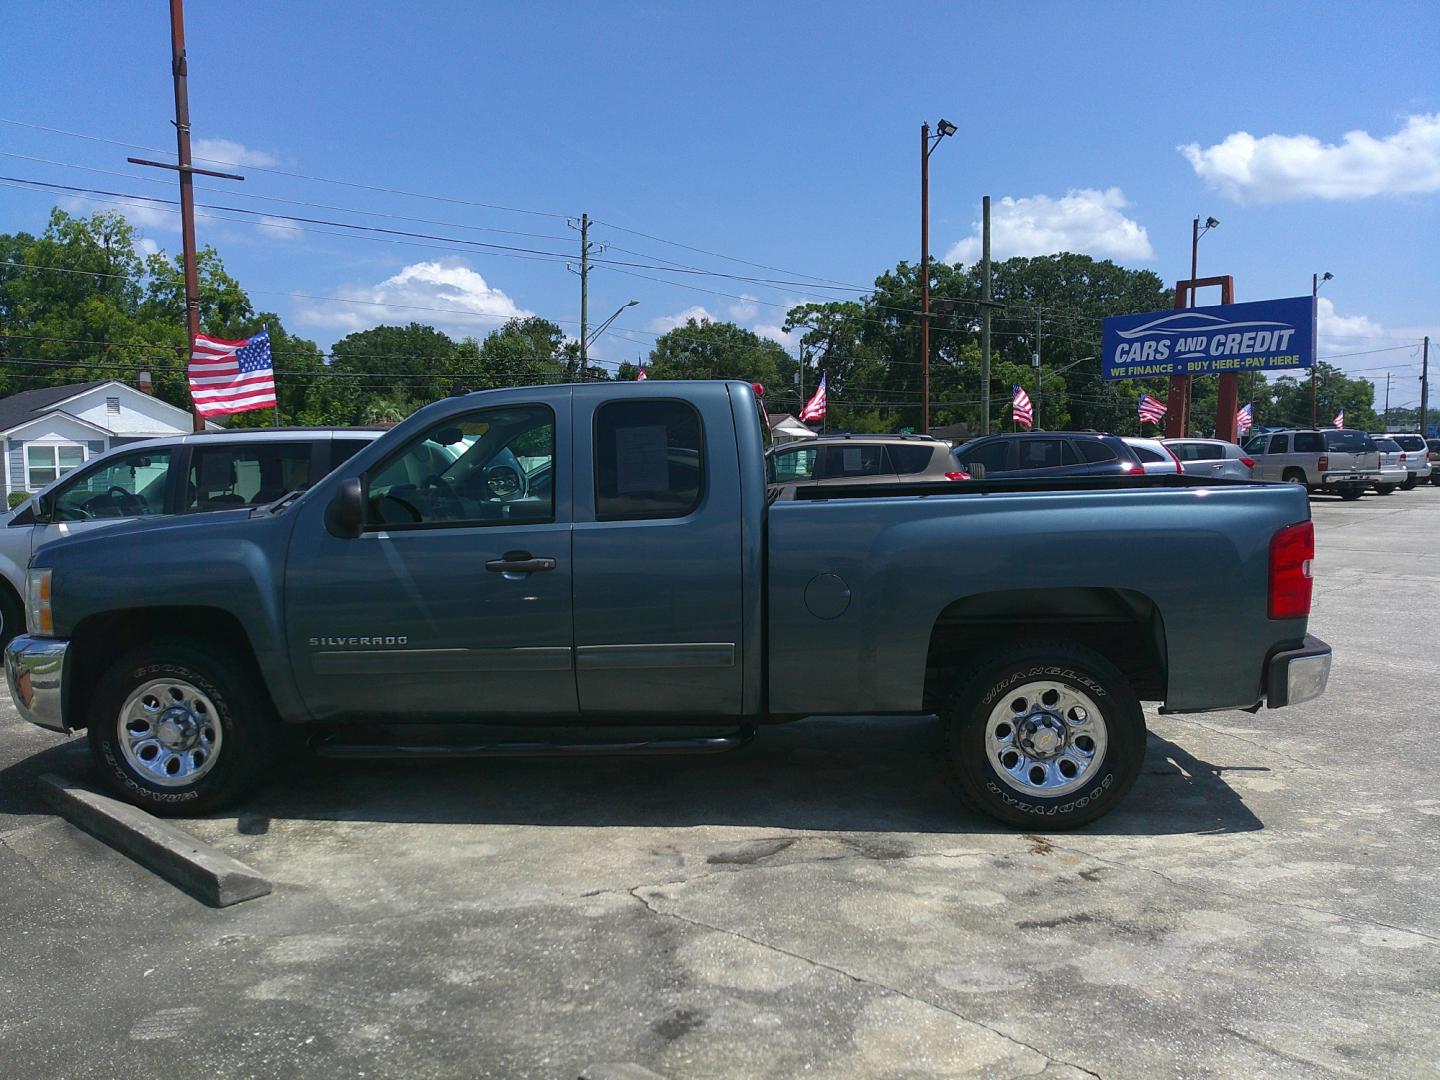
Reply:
x=187, y=171
x=1425, y=387
x=584, y=293
x=985, y=315
x=924, y=278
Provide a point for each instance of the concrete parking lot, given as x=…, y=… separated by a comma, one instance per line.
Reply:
x=1265, y=904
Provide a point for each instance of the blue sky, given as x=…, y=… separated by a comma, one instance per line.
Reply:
x=779, y=134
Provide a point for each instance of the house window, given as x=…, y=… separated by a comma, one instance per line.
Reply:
x=112, y=406
x=44, y=464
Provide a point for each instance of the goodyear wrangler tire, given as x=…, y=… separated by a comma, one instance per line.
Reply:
x=177, y=728
x=1048, y=736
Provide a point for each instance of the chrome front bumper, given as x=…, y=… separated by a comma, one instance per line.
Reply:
x=35, y=670
x=1297, y=675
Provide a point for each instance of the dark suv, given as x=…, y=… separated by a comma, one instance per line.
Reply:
x=1047, y=453
x=862, y=459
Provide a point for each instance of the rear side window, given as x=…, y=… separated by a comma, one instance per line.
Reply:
x=1388, y=446
x=342, y=450
x=238, y=474
x=905, y=459
x=1280, y=444
x=846, y=462
x=1040, y=454
x=1144, y=453
x=648, y=461
x=1094, y=451
x=1198, y=451
x=1349, y=442
x=1309, y=442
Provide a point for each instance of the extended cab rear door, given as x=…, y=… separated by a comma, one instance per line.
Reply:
x=659, y=586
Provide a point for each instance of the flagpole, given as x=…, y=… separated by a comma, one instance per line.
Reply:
x=272, y=375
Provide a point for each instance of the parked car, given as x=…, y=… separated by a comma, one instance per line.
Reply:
x=205, y=471
x=1212, y=457
x=1047, y=453
x=862, y=459
x=1154, y=455
x=1417, y=458
x=1392, y=465
x=651, y=582
x=1432, y=455
x=1335, y=461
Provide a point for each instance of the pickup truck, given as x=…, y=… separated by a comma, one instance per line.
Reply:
x=600, y=568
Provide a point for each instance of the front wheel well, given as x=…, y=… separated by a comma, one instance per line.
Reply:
x=1121, y=625
x=100, y=639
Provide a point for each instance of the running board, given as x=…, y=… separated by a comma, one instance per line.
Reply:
x=330, y=747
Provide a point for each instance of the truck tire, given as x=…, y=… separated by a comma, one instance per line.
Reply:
x=12, y=615
x=178, y=728
x=1351, y=492
x=1384, y=489
x=1297, y=476
x=1048, y=736
x=1410, y=481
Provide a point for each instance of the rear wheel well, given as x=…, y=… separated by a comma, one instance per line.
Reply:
x=1121, y=625
x=99, y=640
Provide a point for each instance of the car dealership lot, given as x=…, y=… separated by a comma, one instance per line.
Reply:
x=1263, y=904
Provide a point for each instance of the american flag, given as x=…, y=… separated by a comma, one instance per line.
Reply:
x=232, y=376
x=815, y=410
x=1152, y=409
x=1021, y=409
x=640, y=376
x=1244, y=419
x=1340, y=418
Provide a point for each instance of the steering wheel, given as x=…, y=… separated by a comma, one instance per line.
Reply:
x=502, y=482
x=409, y=507
x=123, y=501
x=454, y=508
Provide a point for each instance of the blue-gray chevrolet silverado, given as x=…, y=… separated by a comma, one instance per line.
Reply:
x=602, y=568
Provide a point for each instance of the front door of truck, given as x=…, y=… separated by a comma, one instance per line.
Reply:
x=658, y=572
x=455, y=600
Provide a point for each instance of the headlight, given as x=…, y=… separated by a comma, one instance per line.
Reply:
x=39, y=619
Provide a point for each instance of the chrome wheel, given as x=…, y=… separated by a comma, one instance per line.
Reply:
x=169, y=732
x=1045, y=738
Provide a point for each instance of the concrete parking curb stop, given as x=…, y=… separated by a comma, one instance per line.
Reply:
x=203, y=872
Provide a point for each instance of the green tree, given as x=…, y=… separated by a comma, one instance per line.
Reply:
x=1334, y=391
x=702, y=349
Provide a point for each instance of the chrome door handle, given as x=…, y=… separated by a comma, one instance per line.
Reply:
x=519, y=562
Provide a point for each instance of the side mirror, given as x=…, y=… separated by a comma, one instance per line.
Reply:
x=43, y=507
x=448, y=436
x=346, y=512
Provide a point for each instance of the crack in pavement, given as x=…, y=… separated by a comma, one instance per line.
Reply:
x=5, y=843
x=1250, y=1040
x=863, y=980
x=1240, y=738
x=1186, y=885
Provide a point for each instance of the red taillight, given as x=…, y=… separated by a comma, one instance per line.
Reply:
x=1292, y=550
x=1323, y=463
x=1249, y=463
x=957, y=475
x=1402, y=459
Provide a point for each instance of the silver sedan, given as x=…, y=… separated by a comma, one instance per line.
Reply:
x=1212, y=457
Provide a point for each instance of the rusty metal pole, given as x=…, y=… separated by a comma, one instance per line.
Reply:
x=925, y=278
x=187, y=189
x=1314, y=363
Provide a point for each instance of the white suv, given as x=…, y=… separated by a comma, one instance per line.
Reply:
x=186, y=474
x=1417, y=461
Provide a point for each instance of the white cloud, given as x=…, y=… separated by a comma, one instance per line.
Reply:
x=669, y=322
x=229, y=152
x=448, y=295
x=789, y=338
x=278, y=228
x=1084, y=220
x=1277, y=168
x=745, y=310
x=145, y=247
x=1344, y=332
x=138, y=212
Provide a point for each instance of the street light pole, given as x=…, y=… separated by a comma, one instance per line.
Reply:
x=586, y=343
x=927, y=145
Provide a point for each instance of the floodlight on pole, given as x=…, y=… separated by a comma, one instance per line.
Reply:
x=928, y=143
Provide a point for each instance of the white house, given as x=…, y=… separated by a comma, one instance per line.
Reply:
x=50, y=431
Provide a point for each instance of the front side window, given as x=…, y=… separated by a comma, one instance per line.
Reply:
x=44, y=464
x=239, y=475
x=794, y=466
x=131, y=485
x=492, y=467
x=648, y=460
x=1257, y=444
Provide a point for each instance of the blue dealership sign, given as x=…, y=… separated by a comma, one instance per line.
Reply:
x=1222, y=340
